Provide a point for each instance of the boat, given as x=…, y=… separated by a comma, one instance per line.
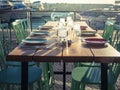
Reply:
x=37, y=5
x=19, y=10
x=5, y=10
x=18, y=4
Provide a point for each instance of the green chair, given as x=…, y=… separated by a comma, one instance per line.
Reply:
x=25, y=25
x=5, y=37
x=47, y=67
x=116, y=39
x=48, y=76
x=18, y=31
x=6, y=40
x=107, y=34
x=82, y=76
x=48, y=73
x=12, y=75
x=92, y=75
x=108, y=30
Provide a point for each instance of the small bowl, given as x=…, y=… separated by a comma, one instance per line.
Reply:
x=96, y=41
x=83, y=27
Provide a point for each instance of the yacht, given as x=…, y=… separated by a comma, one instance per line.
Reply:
x=18, y=4
x=5, y=10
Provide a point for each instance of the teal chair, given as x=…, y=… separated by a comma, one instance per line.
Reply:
x=107, y=34
x=82, y=76
x=12, y=75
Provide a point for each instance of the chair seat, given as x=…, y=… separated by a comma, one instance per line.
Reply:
x=90, y=75
x=78, y=73
x=13, y=75
x=9, y=63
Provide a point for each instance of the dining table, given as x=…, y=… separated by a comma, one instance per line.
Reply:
x=77, y=51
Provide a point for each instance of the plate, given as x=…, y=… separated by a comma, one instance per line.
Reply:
x=45, y=27
x=40, y=32
x=96, y=41
x=38, y=38
x=88, y=33
x=34, y=41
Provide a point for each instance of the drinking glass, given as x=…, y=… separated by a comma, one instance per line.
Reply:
x=76, y=32
x=70, y=23
x=62, y=20
x=62, y=36
x=69, y=18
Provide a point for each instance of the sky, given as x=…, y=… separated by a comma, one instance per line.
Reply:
x=78, y=1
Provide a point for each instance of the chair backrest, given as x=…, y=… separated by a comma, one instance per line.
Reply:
x=108, y=30
x=116, y=40
x=5, y=37
x=115, y=68
x=2, y=55
x=18, y=31
x=25, y=25
x=116, y=44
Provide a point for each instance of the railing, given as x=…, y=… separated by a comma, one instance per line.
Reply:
x=88, y=16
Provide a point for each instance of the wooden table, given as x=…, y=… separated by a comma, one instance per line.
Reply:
x=78, y=52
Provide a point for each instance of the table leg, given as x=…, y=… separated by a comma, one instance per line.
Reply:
x=24, y=78
x=104, y=76
x=64, y=75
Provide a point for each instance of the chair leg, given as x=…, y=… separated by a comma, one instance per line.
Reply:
x=75, y=85
x=7, y=86
x=1, y=86
x=46, y=76
x=75, y=64
x=82, y=87
x=13, y=87
x=111, y=87
x=31, y=87
x=40, y=84
x=51, y=76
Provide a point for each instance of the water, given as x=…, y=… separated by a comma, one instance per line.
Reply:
x=37, y=22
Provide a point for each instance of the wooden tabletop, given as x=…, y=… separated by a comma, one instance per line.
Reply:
x=79, y=51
